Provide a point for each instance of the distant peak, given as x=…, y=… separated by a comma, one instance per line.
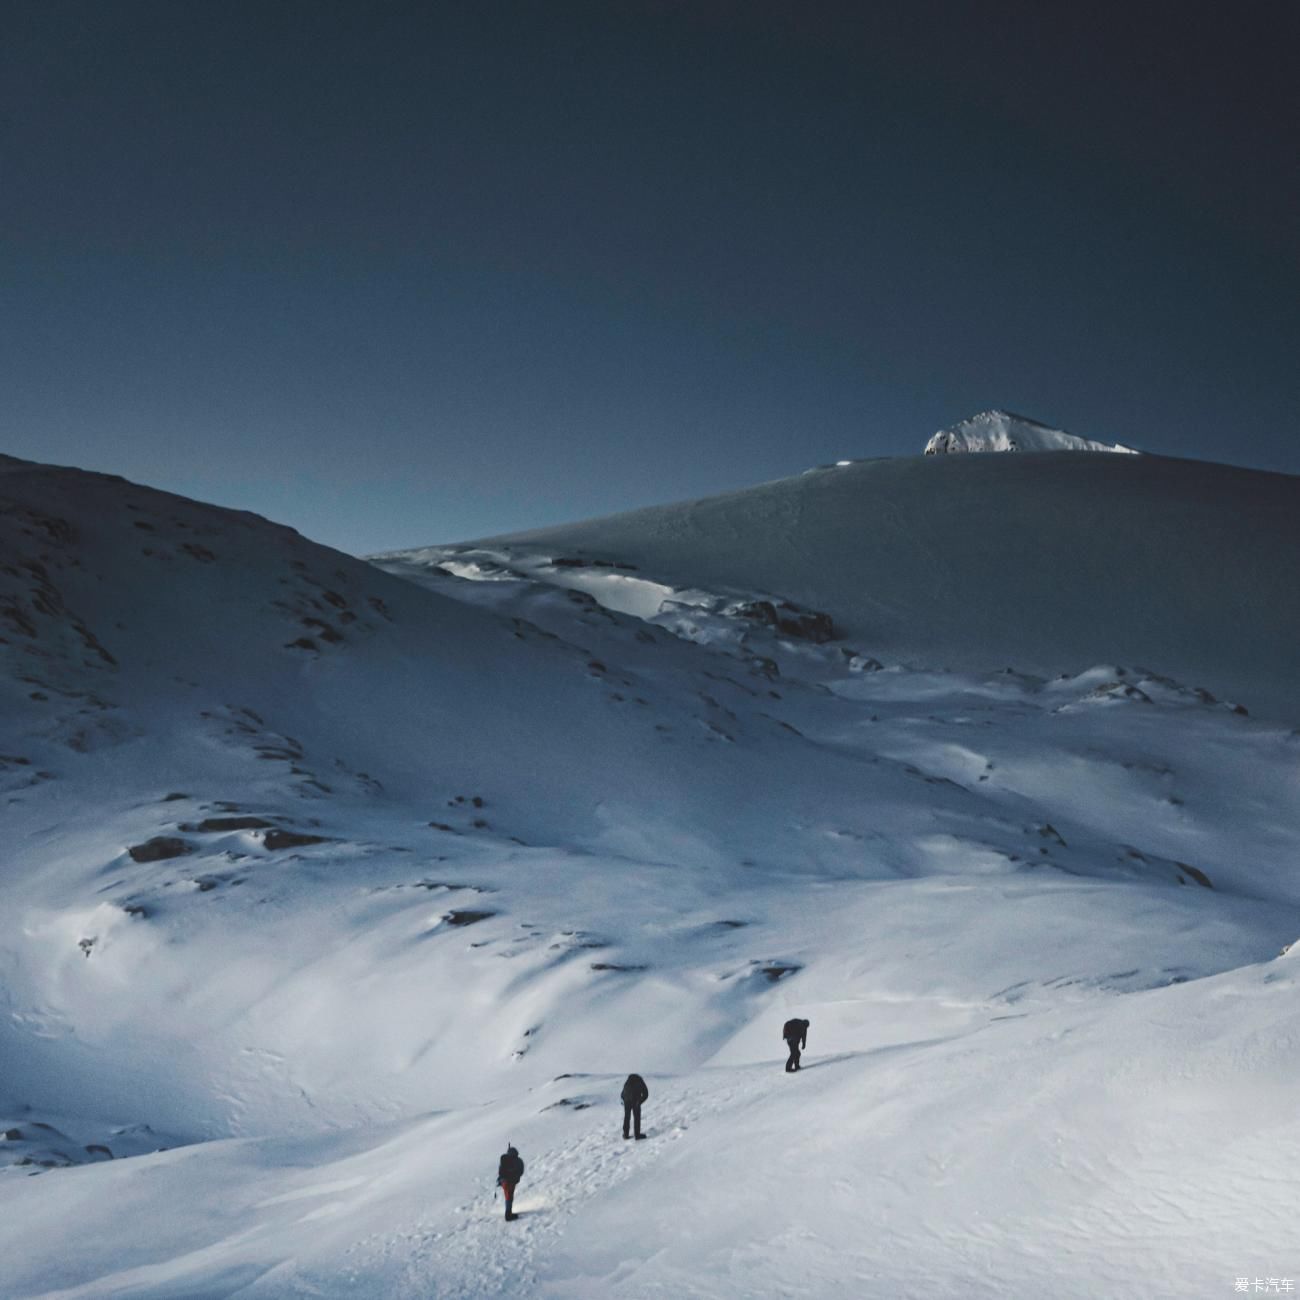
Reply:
x=1006, y=431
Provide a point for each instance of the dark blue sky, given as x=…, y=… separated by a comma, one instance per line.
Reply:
x=404, y=273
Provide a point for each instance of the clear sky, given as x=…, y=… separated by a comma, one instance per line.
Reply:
x=404, y=273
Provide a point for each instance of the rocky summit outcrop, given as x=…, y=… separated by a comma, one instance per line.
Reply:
x=1005, y=431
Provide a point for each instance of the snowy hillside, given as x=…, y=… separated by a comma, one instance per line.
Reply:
x=1045, y=563
x=323, y=882
x=1004, y=431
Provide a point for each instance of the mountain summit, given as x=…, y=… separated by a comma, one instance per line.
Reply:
x=1005, y=431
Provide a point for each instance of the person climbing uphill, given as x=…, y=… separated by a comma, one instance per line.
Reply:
x=509, y=1172
x=795, y=1033
x=634, y=1093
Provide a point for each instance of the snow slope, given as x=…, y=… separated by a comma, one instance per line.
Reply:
x=1047, y=563
x=1004, y=431
x=331, y=881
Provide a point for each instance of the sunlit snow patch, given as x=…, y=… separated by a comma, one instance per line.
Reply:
x=1004, y=431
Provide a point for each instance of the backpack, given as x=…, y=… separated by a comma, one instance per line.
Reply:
x=634, y=1090
x=511, y=1168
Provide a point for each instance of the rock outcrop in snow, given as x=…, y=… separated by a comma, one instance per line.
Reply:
x=1004, y=431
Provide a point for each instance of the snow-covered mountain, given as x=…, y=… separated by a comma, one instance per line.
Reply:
x=332, y=880
x=1045, y=563
x=1005, y=431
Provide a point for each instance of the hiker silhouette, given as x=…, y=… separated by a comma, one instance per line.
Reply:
x=509, y=1172
x=634, y=1093
x=795, y=1033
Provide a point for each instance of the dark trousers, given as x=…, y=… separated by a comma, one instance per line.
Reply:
x=632, y=1112
x=793, y=1063
x=508, y=1191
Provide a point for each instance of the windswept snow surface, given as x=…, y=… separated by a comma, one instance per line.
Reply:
x=1003, y=431
x=324, y=883
x=1046, y=563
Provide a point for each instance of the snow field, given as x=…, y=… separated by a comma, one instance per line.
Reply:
x=502, y=830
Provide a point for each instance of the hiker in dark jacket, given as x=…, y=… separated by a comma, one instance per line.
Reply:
x=633, y=1094
x=509, y=1172
x=795, y=1033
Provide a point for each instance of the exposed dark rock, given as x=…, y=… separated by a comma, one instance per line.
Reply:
x=211, y=825
x=16, y=1134
x=804, y=624
x=778, y=970
x=860, y=663
x=788, y=726
x=609, y=965
x=570, y=940
x=576, y=562
x=466, y=917
x=171, y=798
x=1196, y=874
x=98, y=1149
x=1119, y=690
x=160, y=848
x=278, y=839
x=302, y=643
x=57, y=1160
